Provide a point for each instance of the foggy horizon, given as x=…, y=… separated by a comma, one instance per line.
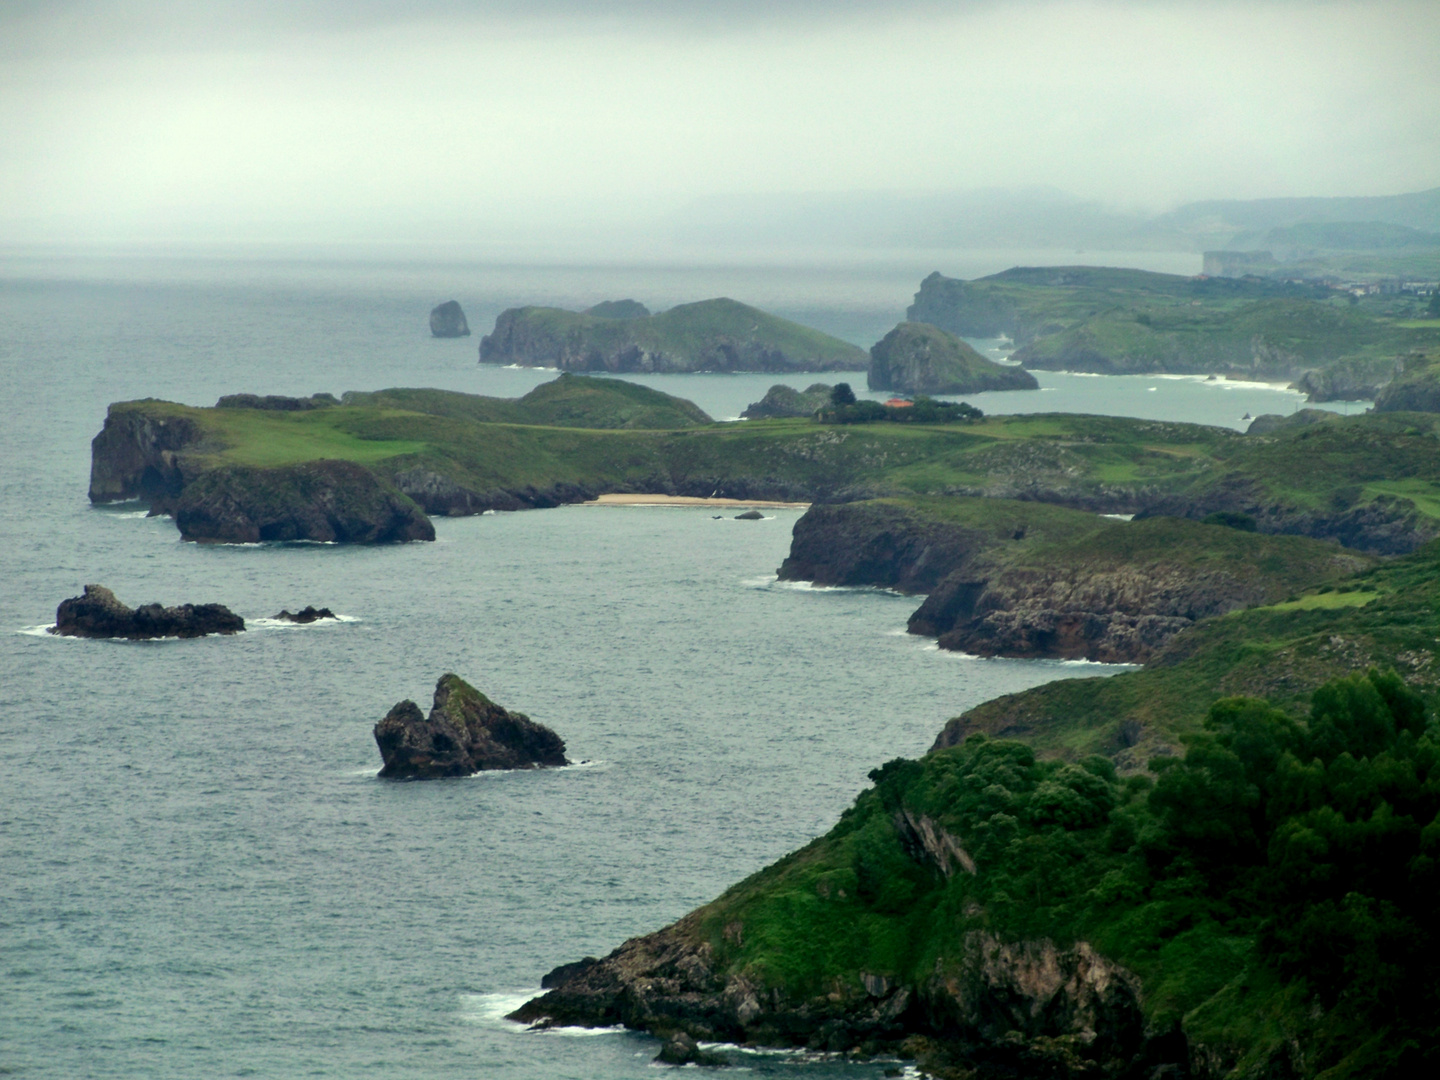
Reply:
x=557, y=126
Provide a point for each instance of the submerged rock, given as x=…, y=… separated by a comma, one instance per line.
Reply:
x=681, y=1049
x=465, y=733
x=447, y=320
x=98, y=614
x=750, y=515
x=308, y=614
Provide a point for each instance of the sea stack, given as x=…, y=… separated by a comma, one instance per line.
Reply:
x=447, y=320
x=465, y=733
x=98, y=614
x=916, y=358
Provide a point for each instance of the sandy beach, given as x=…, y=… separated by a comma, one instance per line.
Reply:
x=689, y=500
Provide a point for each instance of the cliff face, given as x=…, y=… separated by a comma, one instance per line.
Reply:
x=1416, y=388
x=1087, y=589
x=465, y=733
x=782, y=401
x=710, y=335
x=916, y=358
x=447, y=320
x=137, y=455
x=328, y=501
x=999, y=1005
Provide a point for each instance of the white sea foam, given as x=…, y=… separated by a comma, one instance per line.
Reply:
x=494, y=1008
x=286, y=624
x=42, y=631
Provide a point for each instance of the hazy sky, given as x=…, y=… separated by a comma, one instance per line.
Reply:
x=353, y=120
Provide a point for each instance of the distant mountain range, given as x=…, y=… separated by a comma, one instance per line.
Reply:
x=1047, y=218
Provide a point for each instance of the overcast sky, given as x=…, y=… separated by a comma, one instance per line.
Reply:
x=354, y=120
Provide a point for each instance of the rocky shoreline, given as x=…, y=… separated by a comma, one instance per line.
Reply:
x=465, y=733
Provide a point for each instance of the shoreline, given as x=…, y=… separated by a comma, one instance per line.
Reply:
x=691, y=500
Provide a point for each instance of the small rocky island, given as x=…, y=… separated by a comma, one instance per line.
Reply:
x=308, y=614
x=465, y=733
x=917, y=358
x=448, y=321
x=784, y=402
x=98, y=614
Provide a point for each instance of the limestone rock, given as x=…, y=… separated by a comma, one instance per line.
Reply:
x=98, y=614
x=448, y=321
x=328, y=501
x=916, y=358
x=465, y=733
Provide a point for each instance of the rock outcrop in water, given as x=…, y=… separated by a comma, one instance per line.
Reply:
x=465, y=733
x=448, y=321
x=307, y=614
x=917, y=358
x=326, y=501
x=98, y=614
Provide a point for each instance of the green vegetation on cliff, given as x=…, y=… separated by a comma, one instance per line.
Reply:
x=917, y=358
x=710, y=335
x=1372, y=482
x=1130, y=321
x=1275, y=890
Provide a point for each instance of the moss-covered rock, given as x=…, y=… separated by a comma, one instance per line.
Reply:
x=917, y=358
x=782, y=401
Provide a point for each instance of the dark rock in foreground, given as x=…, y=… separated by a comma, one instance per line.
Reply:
x=681, y=1049
x=916, y=358
x=308, y=614
x=465, y=733
x=328, y=501
x=98, y=614
x=447, y=320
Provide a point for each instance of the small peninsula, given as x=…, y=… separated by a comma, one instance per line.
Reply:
x=465, y=733
x=98, y=614
x=710, y=335
x=782, y=401
x=447, y=320
x=917, y=358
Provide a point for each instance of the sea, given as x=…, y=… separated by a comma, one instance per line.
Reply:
x=200, y=873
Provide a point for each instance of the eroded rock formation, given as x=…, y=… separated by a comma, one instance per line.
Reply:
x=447, y=320
x=465, y=733
x=98, y=614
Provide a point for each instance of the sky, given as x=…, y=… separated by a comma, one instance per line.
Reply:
x=361, y=120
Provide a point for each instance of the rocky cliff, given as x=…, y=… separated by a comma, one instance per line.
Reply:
x=710, y=335
x=1415, y=388
x=327, y=501
x=447, y=320
x=999, y=1004
x=917, y=358
x=465, y=733
x=1025, y=581
x=98, y=614
x=138, y=454
x=782, y=401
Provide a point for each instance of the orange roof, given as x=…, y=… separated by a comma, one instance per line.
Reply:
x=898, y=403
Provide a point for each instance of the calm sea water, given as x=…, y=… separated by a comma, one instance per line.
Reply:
x=200, y=874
